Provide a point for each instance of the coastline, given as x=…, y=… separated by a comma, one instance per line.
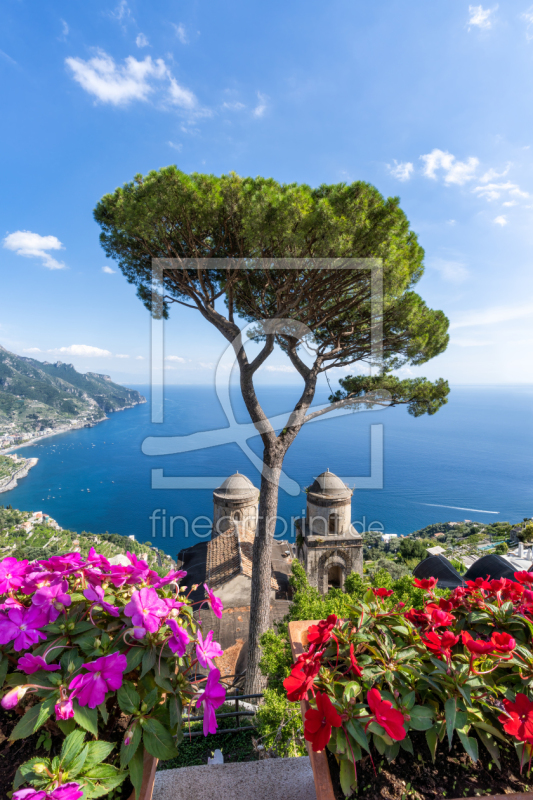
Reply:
x=13, y=448
x=18, y=475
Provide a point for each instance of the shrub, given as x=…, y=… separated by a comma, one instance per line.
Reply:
x=459, y=667
x=103, y=654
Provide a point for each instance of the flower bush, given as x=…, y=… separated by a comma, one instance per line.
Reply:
x=459, y=666
x=98, y=651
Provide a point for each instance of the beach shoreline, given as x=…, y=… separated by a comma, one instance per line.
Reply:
x=18, y=475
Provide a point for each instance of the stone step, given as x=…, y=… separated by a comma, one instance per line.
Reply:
x=269, y=779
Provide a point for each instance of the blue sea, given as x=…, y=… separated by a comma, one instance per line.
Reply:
x=472, y=460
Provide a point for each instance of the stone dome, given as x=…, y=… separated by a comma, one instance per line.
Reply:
x=236, y=487
x=329, y=485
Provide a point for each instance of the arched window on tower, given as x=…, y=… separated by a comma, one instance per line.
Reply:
x=335, y=577
x=333, y=524
x=237, y=516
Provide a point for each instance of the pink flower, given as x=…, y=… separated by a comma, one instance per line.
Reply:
x=12, y=574
x=105, y=675
x=207, y=649
x=12, y=697
x=29, y=794
x=96, y=596
x=53, y=599
x=179, y=640
x=21, y=626
x=146, y=609
x=30, y=664
x=173, y=577
x=214, y=602
x=69, y=791
x=212, y=697
x=64, y=709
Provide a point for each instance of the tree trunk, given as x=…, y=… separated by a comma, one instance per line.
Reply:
x=262, y=560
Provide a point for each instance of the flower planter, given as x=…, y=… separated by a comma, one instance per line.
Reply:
x=149, y=768
x=319, y=761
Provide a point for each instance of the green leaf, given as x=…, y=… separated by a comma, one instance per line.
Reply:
x=128, y=698
x=98, y=752
x=71, y=746
x=83, y=626
x=66, y=725
x=134, y=658
x=461, y=719
x=357, y=731
x=4, y=665
x=158, y=740
x=431, y=739
x=392, y=751
x=148, y=661
x=450, y=709
x=420, y=723
x=379, y=744
x=101, y=772
x=26, y=769
x=33, y=719
x=128, y=751
x=469, y=744
x=407, y=745
x=164, y=683
x=174, y=708
x=342, y=744
x=151, y=699
x=490, y=729
x=347, y=776
x=86, y=717
x=409, y=700
x=103, y=712
x=136, y=771
x=491, y=746
x=79, y=762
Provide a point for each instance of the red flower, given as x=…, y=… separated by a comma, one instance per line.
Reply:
x=385, y=715
x=441, y=644
x=503, y=642
x=415, y=617
x=524, y=577
x=521, y=723
x=477, y=647
x=300, y=681
x=356, y=669
x=382, y=592
x=479, y=583
x=321, y=633
x=496, y=585
x=425, y=583
x=319, y=721
x=437, y=616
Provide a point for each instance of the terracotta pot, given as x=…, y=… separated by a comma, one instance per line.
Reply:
x=319, y=761
x=147, y=787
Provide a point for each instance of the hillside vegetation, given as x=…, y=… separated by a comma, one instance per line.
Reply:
x=35, y=395
x=43, y=542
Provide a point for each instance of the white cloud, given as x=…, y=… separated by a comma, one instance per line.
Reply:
x=451, y=222
x=108, y=270
x=83, y=350
x=491, y=174
x=175, y=146
x=527, y=16
x=458, y=172
x=452, y=271
x=235, y=106
x=121, y=12
x=260, y=108
x=176, y=358
x=510, y=203
x=64, y=28
x=139, y=358
x=501, y=220
x=121, y=355
x=492, y=191
x=180, y=96
x=8, y=58
x=481, y=17
x=32, y=350
x=120, y=84
x=402, y=171
x=181, y=33
x=210, y=365
x=281, y=368
x=32, y=245
x=470, y=342
x=142, y=41
x=490, y=316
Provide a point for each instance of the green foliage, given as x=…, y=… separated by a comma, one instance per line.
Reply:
x=501, y=549
x=414, y=548
x=280, y=725
x=526, y=534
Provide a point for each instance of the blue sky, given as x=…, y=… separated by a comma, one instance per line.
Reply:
x=428, y=101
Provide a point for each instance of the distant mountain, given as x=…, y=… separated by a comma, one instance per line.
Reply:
x=35, y=395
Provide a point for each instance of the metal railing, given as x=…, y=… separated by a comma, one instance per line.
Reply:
x=237, y=713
